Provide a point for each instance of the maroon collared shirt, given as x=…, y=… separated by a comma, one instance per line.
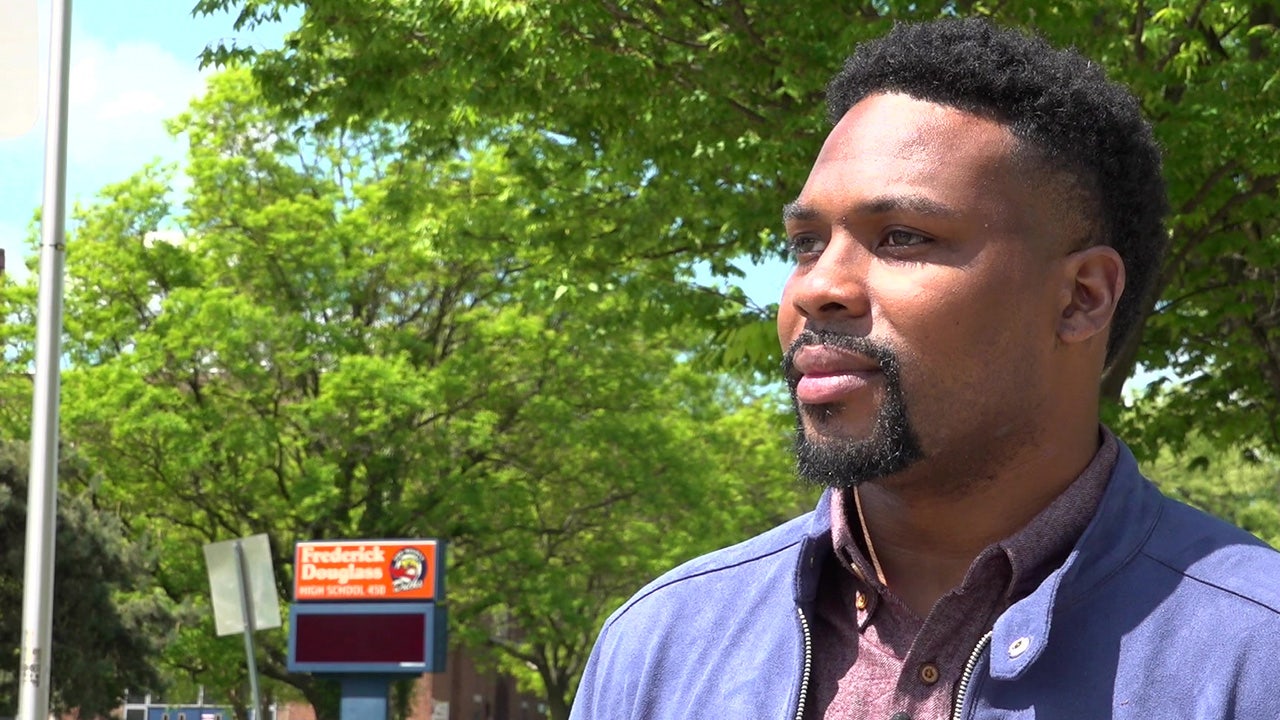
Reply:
x=876, y=659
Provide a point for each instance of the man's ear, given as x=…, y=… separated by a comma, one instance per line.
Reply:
x=1092, y=281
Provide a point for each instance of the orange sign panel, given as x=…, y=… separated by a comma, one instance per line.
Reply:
x=375, y=570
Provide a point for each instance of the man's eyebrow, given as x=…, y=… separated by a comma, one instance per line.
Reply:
x=918, y=204
x=880, y=205
x=796, y=210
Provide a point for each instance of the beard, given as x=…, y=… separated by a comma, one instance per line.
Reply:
x=891, y=447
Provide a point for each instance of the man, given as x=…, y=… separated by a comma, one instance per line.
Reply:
x=976, y=237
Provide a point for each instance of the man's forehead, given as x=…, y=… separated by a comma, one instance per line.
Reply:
x=906, y=127
x=893, y=153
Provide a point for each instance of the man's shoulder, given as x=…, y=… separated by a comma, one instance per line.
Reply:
x=1226, y=560
x=771, y=553
x=653, y=654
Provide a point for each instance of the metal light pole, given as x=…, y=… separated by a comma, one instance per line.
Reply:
x=42, y=491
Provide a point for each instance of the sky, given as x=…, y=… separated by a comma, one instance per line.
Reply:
x=134, y=64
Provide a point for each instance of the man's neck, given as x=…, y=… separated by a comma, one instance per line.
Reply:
x=925, y=542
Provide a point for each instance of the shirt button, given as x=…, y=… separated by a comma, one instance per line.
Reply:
x=900, y=716
x=928, y=673
x=860, y=601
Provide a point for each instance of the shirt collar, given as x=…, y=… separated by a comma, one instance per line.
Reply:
x=1033, y=552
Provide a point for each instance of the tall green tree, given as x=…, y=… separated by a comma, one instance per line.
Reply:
x=334, y=338
x=108, y=623
x=702, y=119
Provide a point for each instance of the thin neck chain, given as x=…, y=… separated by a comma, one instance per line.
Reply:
x=866, y=535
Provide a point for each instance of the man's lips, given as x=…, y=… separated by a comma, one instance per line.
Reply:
x=828, y=374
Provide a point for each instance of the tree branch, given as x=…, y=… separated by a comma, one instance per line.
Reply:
x=1139, y=27
x=1202, y=193
x=1177, y=43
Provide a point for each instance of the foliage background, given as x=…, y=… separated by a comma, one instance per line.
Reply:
x=453, y=269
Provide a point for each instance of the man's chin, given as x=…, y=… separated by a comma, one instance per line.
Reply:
x=838, y=446
x=844, y=462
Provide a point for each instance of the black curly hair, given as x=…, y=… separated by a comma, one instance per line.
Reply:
x=1059, y=103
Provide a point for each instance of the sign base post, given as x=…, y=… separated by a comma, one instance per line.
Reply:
x=364, y=697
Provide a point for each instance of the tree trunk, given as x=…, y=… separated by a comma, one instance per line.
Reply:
x=558, y=705
x=557, y=686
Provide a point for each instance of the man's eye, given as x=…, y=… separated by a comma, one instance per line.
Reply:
x=900, y=238
x=802, y=245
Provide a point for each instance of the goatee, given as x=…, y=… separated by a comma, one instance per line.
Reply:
x=892, y=445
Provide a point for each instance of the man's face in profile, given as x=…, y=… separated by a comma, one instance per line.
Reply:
x=919, y=320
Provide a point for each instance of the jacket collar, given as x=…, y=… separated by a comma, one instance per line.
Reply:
x=1126, y=515
x=1124, y=520
x=814, y=548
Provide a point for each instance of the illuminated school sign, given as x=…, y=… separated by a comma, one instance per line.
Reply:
x=368, y=570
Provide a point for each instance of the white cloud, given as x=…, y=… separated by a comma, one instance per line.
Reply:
x=126, y=79
x=119, y=97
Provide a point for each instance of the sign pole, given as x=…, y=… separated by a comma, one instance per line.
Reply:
x=364, y=697
x=42, y=489
x=246, y=612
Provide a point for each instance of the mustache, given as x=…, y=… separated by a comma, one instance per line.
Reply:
x=882, y=354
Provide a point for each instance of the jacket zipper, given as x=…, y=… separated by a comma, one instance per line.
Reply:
x=963, y=688
x=808, y=661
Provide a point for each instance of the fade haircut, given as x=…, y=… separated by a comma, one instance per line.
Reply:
x=1059, y=104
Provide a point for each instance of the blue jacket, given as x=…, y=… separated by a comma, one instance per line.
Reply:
x=1159, y=612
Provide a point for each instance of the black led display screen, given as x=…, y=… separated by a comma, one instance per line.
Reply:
x=381, y=638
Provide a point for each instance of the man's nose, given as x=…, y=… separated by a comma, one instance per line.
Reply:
x=834, y=285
